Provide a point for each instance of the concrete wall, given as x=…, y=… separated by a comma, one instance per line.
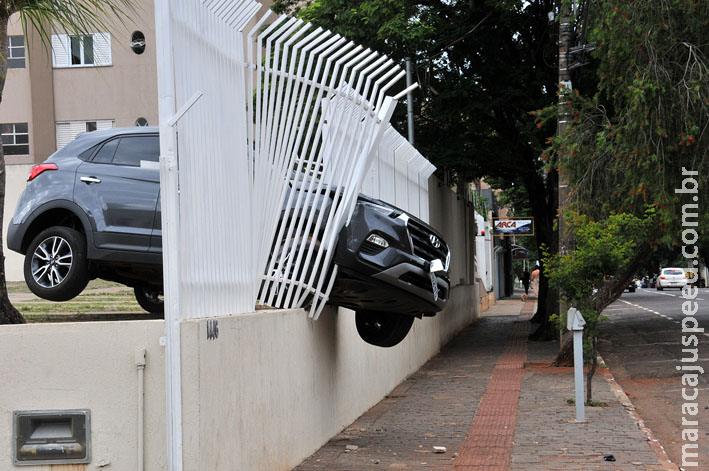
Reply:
x=275, y=385
x=87, y=366
x=453, y=218
x=266, y=393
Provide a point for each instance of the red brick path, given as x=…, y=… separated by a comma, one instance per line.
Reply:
x=489, y=442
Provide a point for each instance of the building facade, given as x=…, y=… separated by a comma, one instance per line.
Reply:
x=79, y=83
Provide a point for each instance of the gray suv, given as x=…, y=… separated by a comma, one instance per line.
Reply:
x=92, y=210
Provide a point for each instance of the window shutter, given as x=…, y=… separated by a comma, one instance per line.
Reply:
x=60, y=50
x=103, y=124
x=68, y=130
x=102, y=49
x=64, y=135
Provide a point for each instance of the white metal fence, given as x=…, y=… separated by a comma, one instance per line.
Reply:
x=280, y=123
x=267, y=126
x=399, y=175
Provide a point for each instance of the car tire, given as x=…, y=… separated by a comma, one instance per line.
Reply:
x=150, y=299
x=632, y=290
x=659, y=288
x=382, y=329
x=55, y=265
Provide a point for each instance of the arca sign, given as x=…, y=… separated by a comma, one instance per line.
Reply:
x=513, y=226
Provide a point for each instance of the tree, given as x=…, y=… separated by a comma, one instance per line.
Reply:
x=601, y=248
x=483, y=65
x=74, y=16
x=641, y=130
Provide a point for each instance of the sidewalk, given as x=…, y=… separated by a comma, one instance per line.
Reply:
x=491, y=400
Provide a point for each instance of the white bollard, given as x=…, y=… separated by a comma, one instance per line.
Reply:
x=575, y=323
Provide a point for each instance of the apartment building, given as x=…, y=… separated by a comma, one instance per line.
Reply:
x=81, y=83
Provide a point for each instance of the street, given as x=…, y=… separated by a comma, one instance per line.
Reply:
x=642, y=345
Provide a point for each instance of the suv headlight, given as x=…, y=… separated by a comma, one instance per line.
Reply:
x=376, y=239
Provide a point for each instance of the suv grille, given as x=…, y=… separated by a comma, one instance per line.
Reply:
x=420, y=238
x=370, y=248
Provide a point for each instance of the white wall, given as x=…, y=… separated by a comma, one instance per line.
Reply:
x=450, y=215
x=14, y=186
x=265, y=394
x=87, y=366
x=276, y=385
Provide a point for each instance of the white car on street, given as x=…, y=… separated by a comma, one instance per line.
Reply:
x=671, y=278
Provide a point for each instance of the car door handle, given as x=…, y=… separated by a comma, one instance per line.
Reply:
x=90, y=180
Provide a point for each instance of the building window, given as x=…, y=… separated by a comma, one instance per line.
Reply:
x=82, y=50
x=141, y=122
x=15, y=138
x=16, y=52
x=87, y=50
x=68, y=130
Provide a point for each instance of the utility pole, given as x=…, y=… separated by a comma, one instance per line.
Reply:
x=565, y=37
x=565, y=239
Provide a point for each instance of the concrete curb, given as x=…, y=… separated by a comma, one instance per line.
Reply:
x=625, y=401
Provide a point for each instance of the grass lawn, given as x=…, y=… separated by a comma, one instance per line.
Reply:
x=101, y=300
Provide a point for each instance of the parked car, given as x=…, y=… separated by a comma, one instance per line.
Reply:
x=631, y=286
x=671, y=278
x=92, y=210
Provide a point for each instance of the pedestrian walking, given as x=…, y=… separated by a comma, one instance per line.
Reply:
x=535, y=281
x=525, y=280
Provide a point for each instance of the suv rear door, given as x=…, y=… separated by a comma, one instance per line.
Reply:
x=118, y=188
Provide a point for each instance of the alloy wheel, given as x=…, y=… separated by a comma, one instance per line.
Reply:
x=51, y=261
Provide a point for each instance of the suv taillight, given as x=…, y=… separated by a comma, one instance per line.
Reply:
x=39, y=168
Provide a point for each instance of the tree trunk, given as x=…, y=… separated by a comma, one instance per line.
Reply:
x=565, y=357
x=8, y=313
x=542, y=196
x=591, y=371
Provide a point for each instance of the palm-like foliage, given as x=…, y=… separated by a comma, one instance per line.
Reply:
x=72, y=16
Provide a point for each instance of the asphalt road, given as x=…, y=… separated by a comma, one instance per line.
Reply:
x=642, y=345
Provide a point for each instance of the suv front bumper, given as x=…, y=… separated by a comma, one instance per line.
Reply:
x=396, y=278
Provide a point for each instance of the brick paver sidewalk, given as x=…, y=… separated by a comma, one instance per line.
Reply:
x=492, y=402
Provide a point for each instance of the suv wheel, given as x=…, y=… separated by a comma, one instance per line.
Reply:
x=150, y=299
x=55, y=264
x=382, y=329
